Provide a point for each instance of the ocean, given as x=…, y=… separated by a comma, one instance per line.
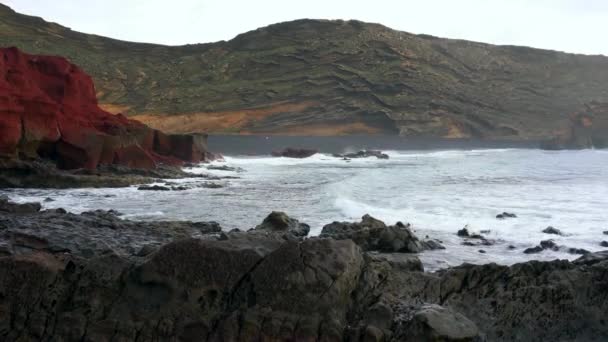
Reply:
x=438, y=192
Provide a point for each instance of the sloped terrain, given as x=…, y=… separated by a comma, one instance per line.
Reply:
x=316, y=77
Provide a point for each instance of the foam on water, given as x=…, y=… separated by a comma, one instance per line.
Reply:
x=438, y=192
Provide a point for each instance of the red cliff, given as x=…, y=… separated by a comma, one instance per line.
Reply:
x=48, y=109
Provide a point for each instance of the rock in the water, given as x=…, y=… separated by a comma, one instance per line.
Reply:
x=604, y=243
x=373, y=235
x=505, y=215
x=579, y=251
x=551, y=230
x=363, y=154
x=545, y=244
x=533, y=250
x=153, y=188
x=464, y=232
x=605, y=232
x=278, y=221
x=432, y=322
x=549, y=244
x=295, y=153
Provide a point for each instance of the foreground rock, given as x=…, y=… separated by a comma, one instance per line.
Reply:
x=295, y=153
x=279, y=222
x=373, y=235
x=49, y=111
x=94, y=277
x=363, y=154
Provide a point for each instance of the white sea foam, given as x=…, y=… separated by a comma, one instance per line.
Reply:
x=438, y=192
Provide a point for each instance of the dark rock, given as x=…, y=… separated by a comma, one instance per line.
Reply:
x=373, y=235
x=464, y=232
x=482, y=251
x=505, y=215
x=278, y=221
x=432, y=322
x=154, y=188
x=604, y=243
x=147, y=250
x=549, y=244
x=24, y=208
x=82, y=273
x=92, y=232
x=295, y=153
x=211, y=185
x=432, y=244
x=551, y=230
x=511, y=247
x=362, y=154
x=48, y=199
x=16, y=173
x=578, y=251
x=533, y=250
x=605, y=232
x=225, y=168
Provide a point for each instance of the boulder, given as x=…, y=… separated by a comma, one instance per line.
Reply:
x=549, y=244
x=464, y=232
x=7, y=206
x=278, y=221
x=533, y=250
x=373, y=235
x=432, y=322
x=604, y=244
x=579, y=251
x=505, y=215
x=295, y=153
x=551, y=230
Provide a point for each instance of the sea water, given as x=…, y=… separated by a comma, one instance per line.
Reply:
x=438, y=192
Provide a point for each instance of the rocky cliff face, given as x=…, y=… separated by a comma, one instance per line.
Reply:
x=48, y=109
x=587, y=128
x=314, y=77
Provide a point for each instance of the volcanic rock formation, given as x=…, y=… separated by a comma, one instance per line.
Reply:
x=95, y=277
x=48, y=109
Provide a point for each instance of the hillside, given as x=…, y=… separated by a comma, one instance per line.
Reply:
x=316, y=77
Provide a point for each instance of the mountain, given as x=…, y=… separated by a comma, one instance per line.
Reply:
x=319, y=77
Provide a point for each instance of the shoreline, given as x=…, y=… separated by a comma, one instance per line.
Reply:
x=109, y=276
x=265, y=145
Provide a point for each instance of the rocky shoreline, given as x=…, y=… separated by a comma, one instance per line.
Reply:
x=97, y=277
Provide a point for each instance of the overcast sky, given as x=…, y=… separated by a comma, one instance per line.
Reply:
x=579, y=26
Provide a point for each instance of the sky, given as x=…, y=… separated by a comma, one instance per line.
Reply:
x=578, y=26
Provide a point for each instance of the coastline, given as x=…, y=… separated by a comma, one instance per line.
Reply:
x=357, y=281
x=265, y=145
